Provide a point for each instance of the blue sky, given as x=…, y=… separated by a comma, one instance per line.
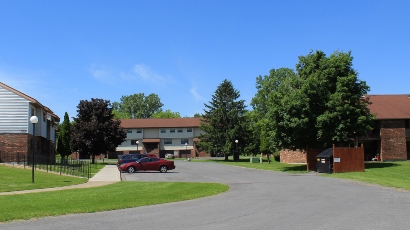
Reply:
x=61, y=52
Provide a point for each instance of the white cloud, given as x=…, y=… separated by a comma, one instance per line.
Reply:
x=147, y=75
x=196, y=94
x=100, y=72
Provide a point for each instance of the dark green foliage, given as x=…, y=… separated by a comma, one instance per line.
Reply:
x=95, y=131
x=64, y=137
x=319, y=105
x=137, y=106
x=253, y=138
x=224, y=121
x=263, y=104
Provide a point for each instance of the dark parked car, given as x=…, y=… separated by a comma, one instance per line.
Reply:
x=148, y=164
x=132, y=157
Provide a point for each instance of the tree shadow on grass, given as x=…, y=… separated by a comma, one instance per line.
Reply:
x=295, y=168
x=380, y=165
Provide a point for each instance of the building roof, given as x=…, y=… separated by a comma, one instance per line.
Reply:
x=32, y=100
x=160, y=123
x=390, y=106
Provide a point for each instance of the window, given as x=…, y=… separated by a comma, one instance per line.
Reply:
x=32, y=111
x=139, y=130
x=189, y=130
x=134, y=142
x=153, y=159
x=184, y=141
x=145, y=159
x=163, y=130
x=179, y=130
x=167, y=141
x=44, y=116
x=172, y=130
x=406, y=124
x=129, y=131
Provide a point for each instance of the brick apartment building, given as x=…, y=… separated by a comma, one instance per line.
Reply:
x=16, y=131
x=390, y=137
x=160, y=136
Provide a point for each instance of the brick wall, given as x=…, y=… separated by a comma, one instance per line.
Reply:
x=21, y=143
x=14, y=143
x=393, y=140
x=203, y=154
x=292, y=156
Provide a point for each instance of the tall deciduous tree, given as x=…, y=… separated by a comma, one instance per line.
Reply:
x=94, y=130
x=64, y=137
x=223, y=120
x=166, y=114
x=264, y=103
x=137, y=106
x=321, y=105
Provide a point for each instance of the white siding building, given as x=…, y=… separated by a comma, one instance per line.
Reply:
x=16, y=131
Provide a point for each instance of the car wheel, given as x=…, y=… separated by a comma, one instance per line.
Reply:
x=130, y=169
x=163, y=169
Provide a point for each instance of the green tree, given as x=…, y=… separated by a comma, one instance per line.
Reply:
x=137, y=106
x=223, y=120
x=166, y=114
x=120, y=115
x=263, y=104
x=197, y=115
x=321, y=105
x=252, y=139
x=95, y=131
x=64, y=137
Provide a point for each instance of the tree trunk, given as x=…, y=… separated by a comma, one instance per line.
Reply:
x=93, y=159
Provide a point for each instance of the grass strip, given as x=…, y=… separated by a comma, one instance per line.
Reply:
x=17, y=179
x=389, y=174
x=115, y=196
x=273, y=166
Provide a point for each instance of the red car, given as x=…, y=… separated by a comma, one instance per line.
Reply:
x=148, y=164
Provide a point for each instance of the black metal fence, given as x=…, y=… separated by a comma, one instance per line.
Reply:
x=79, y=167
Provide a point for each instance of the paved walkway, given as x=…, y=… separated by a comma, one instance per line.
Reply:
x=107, y=175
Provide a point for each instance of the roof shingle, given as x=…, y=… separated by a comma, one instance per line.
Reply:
x=390, y=106
x=161, y=123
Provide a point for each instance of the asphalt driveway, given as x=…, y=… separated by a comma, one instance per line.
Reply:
x=256, y=200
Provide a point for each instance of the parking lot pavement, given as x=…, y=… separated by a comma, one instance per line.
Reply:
x=257, y=199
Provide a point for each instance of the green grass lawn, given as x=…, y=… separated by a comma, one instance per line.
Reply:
x=111, y=197
x=15, y=179
x=390, y=174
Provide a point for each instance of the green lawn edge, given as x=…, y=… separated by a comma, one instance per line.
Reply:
x=116, y=196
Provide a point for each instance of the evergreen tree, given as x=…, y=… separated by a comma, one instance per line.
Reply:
x=223, y=121
x=64, y=137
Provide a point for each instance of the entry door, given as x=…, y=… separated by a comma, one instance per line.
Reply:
x=408, y=149
x=185, y=153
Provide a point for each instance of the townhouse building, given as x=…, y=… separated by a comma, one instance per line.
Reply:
x=390, y=137
x=161, y=136
x=389, y=140
x=16, y=130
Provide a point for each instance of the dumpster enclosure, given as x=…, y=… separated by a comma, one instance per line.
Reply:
x=348, y=159
x=336, y=159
